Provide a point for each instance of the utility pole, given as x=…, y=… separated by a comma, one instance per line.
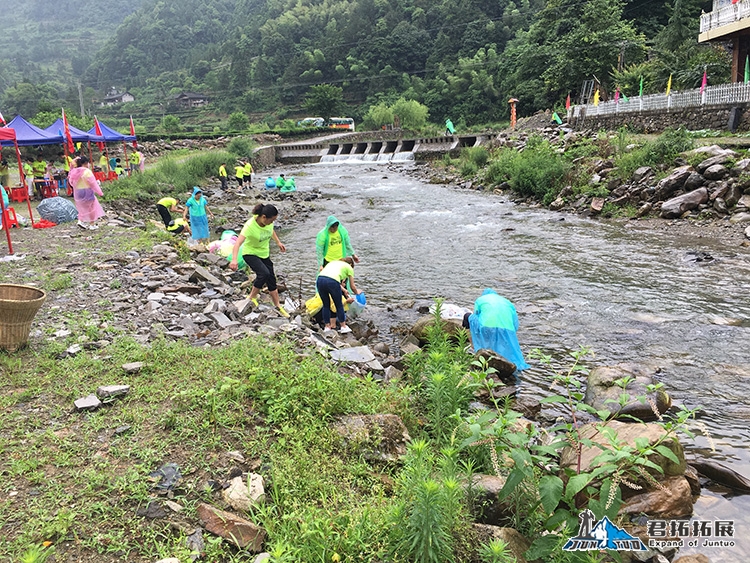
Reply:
x=80, y=99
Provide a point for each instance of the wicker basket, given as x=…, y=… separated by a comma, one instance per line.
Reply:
x=18, y=307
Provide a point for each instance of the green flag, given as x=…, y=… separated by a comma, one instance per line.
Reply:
x=640, y=90
x=556, y=118
x=747, y=69
x=624, y=98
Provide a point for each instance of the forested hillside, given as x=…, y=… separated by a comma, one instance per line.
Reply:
x=460, y=58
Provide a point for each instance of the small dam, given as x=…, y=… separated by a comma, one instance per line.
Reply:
x=376, y=148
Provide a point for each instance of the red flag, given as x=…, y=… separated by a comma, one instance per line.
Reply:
x=2, y=119
x=132, y=132
x=68, y=137
x=567, y=102
x=98, y=131
x=617, y=95
x=704, y=83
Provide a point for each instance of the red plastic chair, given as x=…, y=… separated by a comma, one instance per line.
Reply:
x=49, y=189
x=9, y=218
x=19, y=193
x=112, y=175
x=100, y=176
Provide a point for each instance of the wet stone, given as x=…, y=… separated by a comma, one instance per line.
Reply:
x=110, y=391
x=88, y=403
x=132, y=367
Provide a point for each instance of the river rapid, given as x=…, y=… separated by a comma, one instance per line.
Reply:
x=629, y=293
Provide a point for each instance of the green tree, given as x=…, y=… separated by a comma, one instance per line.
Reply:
x=238, y=121
x=411, y=113
x=325, y=100
x=171, y=124
x=378, y=115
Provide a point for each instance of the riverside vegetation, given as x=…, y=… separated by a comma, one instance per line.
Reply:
x=74, y=486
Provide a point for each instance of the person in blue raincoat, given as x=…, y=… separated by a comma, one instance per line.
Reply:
x=197, y=208
x=493, y=326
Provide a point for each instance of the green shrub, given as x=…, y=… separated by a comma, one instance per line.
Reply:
x=241, y=146
x=661, y=151
x=477, y=155
x=468, y=169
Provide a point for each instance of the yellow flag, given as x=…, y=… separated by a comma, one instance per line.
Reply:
x=669, y=85
x=596, y=97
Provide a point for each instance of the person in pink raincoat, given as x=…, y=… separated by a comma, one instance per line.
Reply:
x=142, y=163
x=85, y=189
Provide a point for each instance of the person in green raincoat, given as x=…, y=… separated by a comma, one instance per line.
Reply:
x=333, y=243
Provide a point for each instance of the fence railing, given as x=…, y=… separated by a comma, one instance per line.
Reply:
x=725, y=15
x=721, y=94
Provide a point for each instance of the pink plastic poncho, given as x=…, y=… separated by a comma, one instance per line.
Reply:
x=85, y=190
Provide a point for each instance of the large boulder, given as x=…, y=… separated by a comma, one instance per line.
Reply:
x=715, y=172
x=676, y=206
x=643, y=173
x=603, y=393
x=626, y=433
x=693, y=182
x=504, y=369
x=711, y=150
x=672, y=500
x=673, y=182
x=713, y=161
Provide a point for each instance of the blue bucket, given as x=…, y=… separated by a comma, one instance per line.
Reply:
x=361, y=299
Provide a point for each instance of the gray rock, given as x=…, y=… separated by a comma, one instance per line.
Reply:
x=222, y=320
x=744, y=201
x=673, y=182
x=733, y=196
x=644, y=209
x=132, y=367
x=243, y=495
x=201, y=274
x=739, y=218
x=693, y=182
x=747, y=232
x=711, y=150
x=504, y=368
x=394, y=374
x=676, y=206
x=215, y=306
x=715, y=172
x=642, y=173
x=515, y=543
x=597, y=204
x=240, y=532
x=263, y=558
x=156, y=296
x=88, y=403
x=556, y=205
x=602, y=389
x=243, y=306
x=713, y=161
x=358, y=354
x=110, y=391
x=720, y=206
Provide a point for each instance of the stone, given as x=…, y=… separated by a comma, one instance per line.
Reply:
x=715, y=172
x=744, y=201
x=516, y=543
x=747, y=232
x=243, y=306
x=673, y=501
x=504, y=369
x=88, y=403
x=419, y=330
x=488, y=507
x=601, y=390
x=201, y=274
x=392, y=373
x=739, y=218
x=626, y=433
x=673, y=182
x=263, y=558
x=155, y=296
x=720, y=206
x=557, y=205
x=717, y=160
x=597, y=204
x=110, y=391
x=644, y=209
x=357, y=354
x=240, y=496
x=240, y=532
x=642, y=173
x=132, y=367
x=215, y=306
x=711, y=150
x=379, y=437
x=693, y=182
x=173, y=506
x=169, y=560
x=733, y=196
x=222, y=320
x=677, y=206
x=152, y=510
x=152, y=306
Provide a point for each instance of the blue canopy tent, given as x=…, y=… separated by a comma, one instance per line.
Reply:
x=30, y=135
x=78, y=136
x=111, y=136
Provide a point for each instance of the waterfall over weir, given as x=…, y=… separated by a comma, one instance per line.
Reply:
x=382, y=157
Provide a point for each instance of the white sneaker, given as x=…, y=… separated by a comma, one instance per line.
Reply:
x=83, y=225
x=345, y=330
x=93, y=227
x=328, y=329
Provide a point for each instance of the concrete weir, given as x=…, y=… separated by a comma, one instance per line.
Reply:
x=373, y=147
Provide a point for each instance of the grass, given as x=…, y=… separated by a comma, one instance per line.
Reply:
x=79, y=485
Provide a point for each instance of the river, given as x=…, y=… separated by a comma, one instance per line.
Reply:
x=627, y=292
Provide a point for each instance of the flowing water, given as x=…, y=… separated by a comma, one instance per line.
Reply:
x=628, y=293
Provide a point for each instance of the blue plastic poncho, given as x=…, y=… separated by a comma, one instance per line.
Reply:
x=270, y=183
x=493, y=327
